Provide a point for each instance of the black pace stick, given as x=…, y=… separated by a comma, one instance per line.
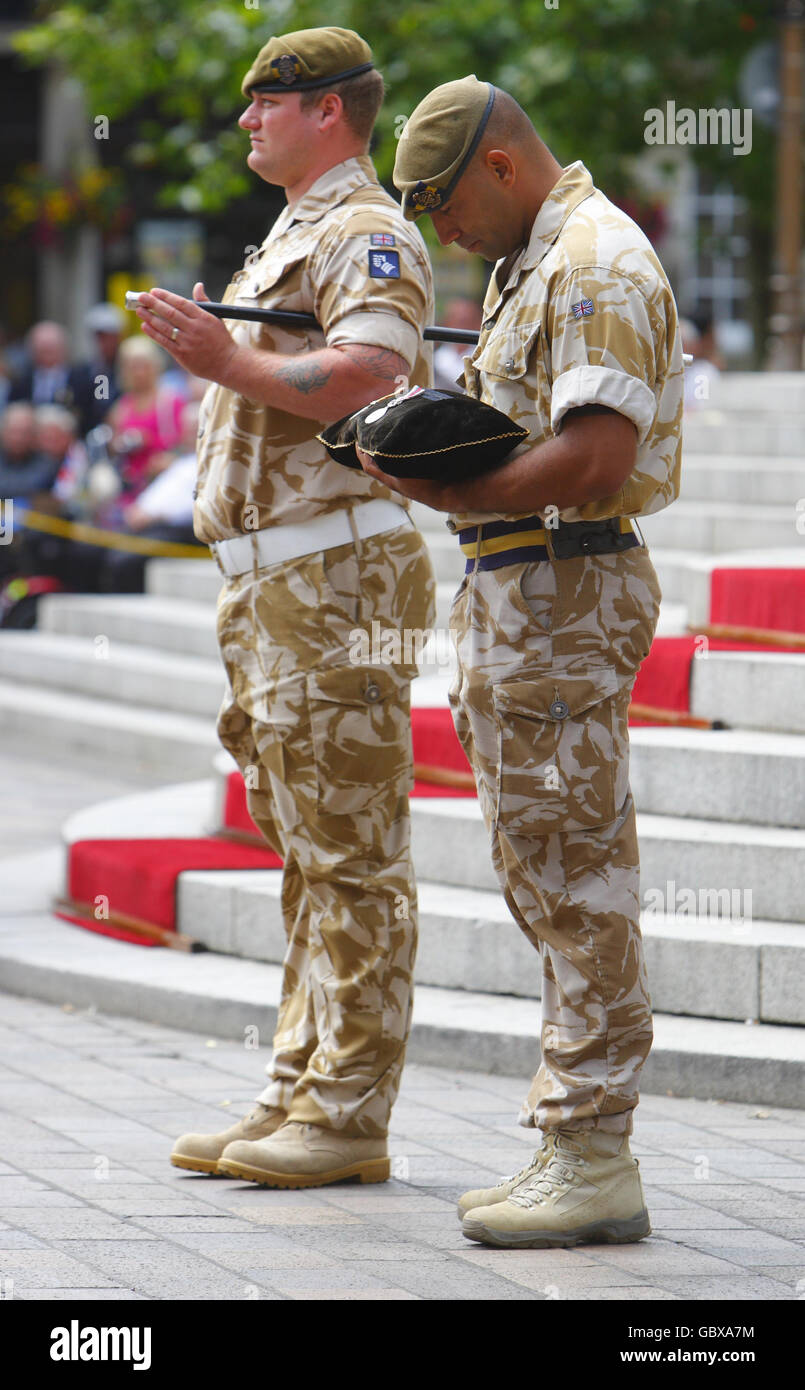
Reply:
x=291, y=319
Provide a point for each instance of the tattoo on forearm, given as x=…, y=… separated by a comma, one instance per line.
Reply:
x=379, y=362
x=305, y=376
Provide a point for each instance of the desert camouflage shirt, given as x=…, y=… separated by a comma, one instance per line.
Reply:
x=346, y=254
x=586, y=317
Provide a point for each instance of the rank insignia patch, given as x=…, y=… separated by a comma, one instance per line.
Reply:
x=583, y=309
x=384, y=265
x=382, y=239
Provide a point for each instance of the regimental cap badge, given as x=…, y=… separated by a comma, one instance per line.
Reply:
x=424, y=196
x=285, y=69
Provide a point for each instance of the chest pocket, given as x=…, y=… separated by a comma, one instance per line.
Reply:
x=503, y=372
x=273, y=282
x=506, y=354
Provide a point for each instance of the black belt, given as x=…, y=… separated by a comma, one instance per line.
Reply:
x=512, y=542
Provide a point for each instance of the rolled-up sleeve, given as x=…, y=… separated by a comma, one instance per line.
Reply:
x=602, y=346
x=369, y=293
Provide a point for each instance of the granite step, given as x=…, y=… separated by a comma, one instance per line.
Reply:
x=765, y=866
x=704, y=966
x=42, y=957
x=713, y=528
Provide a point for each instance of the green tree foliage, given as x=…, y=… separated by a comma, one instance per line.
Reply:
x=585, y=70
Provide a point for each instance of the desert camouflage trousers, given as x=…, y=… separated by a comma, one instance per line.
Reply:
x=548, y=653
x=324, y=742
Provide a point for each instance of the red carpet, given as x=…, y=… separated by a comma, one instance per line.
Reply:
x=772, y=598
x=138, y=877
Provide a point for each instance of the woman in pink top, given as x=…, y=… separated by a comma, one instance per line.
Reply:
x=146, y=419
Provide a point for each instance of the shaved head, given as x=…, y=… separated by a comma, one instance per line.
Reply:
x=508, y=127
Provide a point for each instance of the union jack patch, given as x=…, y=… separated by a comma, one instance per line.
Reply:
x=382, y=239
x=583, y=309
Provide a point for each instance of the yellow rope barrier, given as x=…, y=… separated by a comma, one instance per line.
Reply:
x=112, y=540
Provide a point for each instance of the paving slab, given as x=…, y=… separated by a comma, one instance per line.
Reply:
x=168, y=1235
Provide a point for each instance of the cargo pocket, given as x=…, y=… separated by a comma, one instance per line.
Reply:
x=556, y=752
x=361, y=734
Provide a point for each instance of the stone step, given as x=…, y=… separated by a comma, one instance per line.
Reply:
x=714, y=431
x=762, y=393
x=747, y=776
x=700, y=966
x=715, y=527
x=118, y=671
x=219, y=996
x=155, y=677
x=744, y=478
x=752, y=777
x=750, y=690
x=451, y=847
x=119, y=735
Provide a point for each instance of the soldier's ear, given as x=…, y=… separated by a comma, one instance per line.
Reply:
x=501, y=166
x=330, y=109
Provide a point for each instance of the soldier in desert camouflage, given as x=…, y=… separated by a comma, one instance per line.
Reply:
x=309, y=550
x=555, y=614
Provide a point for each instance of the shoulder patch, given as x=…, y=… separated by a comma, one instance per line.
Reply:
x=384, y=265
x=382, y=239
x=583, y=309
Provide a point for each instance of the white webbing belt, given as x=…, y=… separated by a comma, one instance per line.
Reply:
x=277, y=544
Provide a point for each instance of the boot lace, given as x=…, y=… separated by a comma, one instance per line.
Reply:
x=527, y=1169
x=558, y=1173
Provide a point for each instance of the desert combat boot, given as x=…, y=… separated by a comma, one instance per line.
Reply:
x=304, y=1155
x=201, y=1152
x=587, y=1190
x=488, y=1196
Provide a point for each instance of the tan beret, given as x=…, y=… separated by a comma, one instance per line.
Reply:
x=306, y=59
x=439, y=141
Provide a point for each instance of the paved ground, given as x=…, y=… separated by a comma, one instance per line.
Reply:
x=90, y=1207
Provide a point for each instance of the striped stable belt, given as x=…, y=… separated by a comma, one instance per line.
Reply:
x=525, y=540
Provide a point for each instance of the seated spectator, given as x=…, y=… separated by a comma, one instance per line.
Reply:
x=97, y=384
x=145, y=420
x=163, y=511
x=57, y=439
x=448, y=358
x=24, y=470
x=168, y=500
x=49, y=379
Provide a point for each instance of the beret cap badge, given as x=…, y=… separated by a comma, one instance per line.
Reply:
x=424, y=196
x=285, y=69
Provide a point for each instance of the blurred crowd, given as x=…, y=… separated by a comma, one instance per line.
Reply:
x=108, y=442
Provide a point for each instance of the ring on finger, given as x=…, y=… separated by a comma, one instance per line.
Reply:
x=174, y=334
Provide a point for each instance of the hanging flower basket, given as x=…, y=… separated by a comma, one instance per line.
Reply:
x=52, y=209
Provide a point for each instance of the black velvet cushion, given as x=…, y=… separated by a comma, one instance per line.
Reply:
x=441, y=435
